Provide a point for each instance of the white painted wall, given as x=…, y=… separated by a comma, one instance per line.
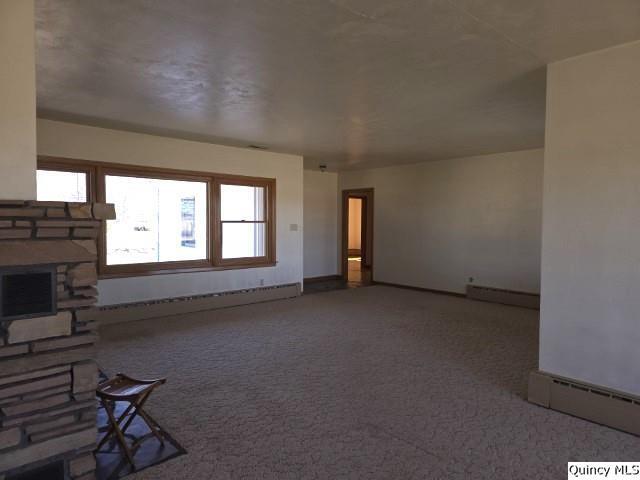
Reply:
x=17, y=100
x=438, y=223
x=590, y=317
x=103, y=145
x=320, y=224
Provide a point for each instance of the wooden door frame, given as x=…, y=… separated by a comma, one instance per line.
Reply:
x=367, y=196
x=364, y=250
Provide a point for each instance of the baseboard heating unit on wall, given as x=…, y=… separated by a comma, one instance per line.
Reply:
x=506, y=297
x=597, y=404
x=194, y=303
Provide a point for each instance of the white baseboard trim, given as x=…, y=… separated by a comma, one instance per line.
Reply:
x=128, y=312
x=598, y=404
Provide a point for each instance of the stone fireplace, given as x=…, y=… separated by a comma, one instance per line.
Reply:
x=48, y=255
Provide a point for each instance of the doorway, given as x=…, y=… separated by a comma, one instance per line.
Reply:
x=357, y=237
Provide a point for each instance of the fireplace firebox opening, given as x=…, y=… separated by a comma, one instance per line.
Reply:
x=27, y=292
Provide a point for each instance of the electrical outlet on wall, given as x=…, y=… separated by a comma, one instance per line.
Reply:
x=262, y=282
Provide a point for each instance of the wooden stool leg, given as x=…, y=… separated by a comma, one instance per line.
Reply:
x=119, y=435
x=138, y=405
x=110, y=431
x=140, y=411
x=152, y=426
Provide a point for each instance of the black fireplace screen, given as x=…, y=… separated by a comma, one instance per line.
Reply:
x=27, y=292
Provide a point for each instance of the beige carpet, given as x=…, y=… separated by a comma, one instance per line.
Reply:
x=371, y=383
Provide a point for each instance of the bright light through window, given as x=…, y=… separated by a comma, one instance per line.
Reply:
x=54, y=185
x=243, y=221
x=169, y=219
x=156, y=220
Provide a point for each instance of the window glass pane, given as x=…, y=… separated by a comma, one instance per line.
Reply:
x=156, y=220
x=241, y=240
x=240, y=202
x=61, y=186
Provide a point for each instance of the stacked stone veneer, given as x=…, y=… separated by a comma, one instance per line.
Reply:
x=47, y=375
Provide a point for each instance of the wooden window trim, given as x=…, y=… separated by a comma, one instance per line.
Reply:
x=61, y=166
x=269, y=221
x=142, y=268
x=96, y=172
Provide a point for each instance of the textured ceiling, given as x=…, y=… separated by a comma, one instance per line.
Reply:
x=349, y=83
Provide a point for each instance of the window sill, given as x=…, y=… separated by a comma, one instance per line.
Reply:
x=170, y=271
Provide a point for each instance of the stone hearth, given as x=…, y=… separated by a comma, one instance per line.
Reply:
x=47, y=373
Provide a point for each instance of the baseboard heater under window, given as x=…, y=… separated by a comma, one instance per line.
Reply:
x=598, y=404
x=506, y=297
x=194, y=303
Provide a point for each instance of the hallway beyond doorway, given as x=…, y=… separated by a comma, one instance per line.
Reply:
x=358, y=274
x=357, y=237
